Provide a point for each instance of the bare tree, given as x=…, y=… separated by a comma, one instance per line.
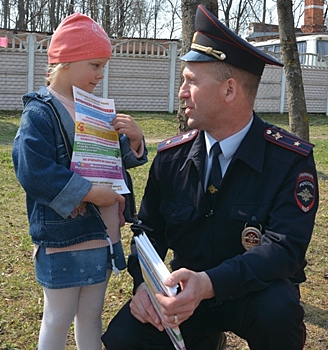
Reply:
x=255, y=12
x=226, y=6
x=188, y=10
x=21, y=23
x=264, y=11
x=298, y=119
x=298, y=11
x=240, y=15
x=6, y=14
x=173, y=11
x=122, y=18
x=237, y=14
x=54, y=14
x=157, y=8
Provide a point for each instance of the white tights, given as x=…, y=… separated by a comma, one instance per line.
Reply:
x=84, y=305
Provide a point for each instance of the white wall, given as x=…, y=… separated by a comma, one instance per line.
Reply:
x=143, y=76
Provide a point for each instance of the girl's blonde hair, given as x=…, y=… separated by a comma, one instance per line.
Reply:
x=53, y=71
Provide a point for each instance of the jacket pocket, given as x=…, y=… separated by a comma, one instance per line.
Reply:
x=251, y=214
x=177, y=211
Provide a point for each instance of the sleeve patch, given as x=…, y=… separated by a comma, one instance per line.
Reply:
x=305, y=191
x=287, y=140
x=177, y=140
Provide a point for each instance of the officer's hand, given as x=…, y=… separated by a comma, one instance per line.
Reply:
x=142, y=308
x=195, y=286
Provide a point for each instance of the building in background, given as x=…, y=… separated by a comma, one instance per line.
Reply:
x=312, y=37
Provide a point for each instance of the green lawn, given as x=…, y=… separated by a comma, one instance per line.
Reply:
x=21, y=299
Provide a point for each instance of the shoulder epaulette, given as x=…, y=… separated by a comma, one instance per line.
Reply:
x=177, y=140
x=287, y=140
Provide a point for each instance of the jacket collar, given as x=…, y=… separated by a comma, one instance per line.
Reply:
x=197, y=154
x=245, y=152
x=45, y=96
x=252, y=148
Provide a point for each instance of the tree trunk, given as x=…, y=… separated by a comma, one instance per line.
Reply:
x=226, y=7
x=264, y=11
x=6, y=14
x=298, y=118
x=21, y=23
x=188, y=10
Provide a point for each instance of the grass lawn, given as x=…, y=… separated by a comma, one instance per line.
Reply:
x=21, y=299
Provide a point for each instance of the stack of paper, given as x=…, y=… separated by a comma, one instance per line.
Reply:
x=154, y=273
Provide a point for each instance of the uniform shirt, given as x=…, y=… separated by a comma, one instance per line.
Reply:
x=228, y=148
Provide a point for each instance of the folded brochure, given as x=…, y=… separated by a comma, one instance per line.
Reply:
x=154, y=273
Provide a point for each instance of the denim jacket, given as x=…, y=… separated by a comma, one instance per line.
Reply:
x=42, y=167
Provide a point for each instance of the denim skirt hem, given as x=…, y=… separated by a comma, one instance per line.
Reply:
x=71, y=269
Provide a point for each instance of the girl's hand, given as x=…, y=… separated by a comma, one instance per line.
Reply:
x=103, y=196
x=125, y=124
x=120, y=214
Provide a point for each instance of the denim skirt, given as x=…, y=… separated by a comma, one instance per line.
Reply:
x=76, y=268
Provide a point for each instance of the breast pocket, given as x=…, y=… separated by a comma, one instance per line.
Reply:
x=177, y=211
x=251, y=213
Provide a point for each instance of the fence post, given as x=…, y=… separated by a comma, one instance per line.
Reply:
x=173, y=57
x=326, y=98
x=105, y=81
x=282, y=91
x=31, y=40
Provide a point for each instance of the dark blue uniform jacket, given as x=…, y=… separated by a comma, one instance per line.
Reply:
x=271, y=184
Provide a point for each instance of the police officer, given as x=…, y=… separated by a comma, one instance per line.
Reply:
x=239, y=237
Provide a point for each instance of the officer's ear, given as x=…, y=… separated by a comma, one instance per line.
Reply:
x=231, y=89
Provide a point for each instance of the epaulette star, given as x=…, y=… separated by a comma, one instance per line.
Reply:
x=287, y=140
x=177, y=140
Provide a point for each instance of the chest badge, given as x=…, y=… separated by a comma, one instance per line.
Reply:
x=251, y=236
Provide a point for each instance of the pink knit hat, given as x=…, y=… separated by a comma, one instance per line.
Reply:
x=78, y=38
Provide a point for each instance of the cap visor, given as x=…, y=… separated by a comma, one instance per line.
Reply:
x=194, y=56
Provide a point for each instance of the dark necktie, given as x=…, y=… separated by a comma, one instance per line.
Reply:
x=215, y=173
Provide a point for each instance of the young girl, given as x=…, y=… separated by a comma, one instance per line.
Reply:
x=72, y=222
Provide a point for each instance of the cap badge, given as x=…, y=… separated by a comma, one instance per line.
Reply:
x=251, y=237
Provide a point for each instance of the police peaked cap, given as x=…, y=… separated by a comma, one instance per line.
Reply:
x=214, y=41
